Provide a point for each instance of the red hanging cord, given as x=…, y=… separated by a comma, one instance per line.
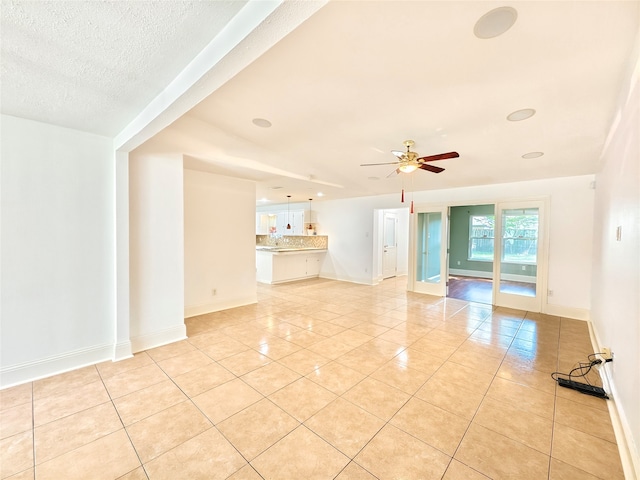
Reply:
x=411, y=209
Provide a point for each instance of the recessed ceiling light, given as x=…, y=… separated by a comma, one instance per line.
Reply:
x=533, y=155
x=261, y=122
x=264, y=199
x=320, y=194
x=275, y=188
x=495, y=22
x=374, y=178
x=521, y=114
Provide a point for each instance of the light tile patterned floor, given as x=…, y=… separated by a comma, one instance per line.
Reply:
x=323, y=380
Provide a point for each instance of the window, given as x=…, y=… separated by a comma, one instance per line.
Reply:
x=520, y=236
x=481, y=228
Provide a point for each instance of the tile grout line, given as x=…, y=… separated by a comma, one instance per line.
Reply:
x=213, y=424
x=123, y=426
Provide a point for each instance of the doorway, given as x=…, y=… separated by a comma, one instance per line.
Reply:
x=471, y=253
x=390, y=246
x=427, y=267
x=390, y=243
x=490, y=253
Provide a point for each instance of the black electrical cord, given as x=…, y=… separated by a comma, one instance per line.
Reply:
x=583, y=367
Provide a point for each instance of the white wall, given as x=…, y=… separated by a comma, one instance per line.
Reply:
x=156, y=261
x=219, y=242
x=57, y=254
x=349, y=224
x=616, y=265
x=403, y=240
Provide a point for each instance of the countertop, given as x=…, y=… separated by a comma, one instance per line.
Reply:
x=288, y=250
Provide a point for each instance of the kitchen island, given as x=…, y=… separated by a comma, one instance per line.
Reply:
x=286, y=264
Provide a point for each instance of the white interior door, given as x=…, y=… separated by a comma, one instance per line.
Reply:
x=390, y=247
x=428, y=247
x=520, y=255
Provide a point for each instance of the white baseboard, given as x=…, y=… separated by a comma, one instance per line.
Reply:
x=122, y=350
x=54, y=365
x=359, y=281
x=194, y=310
x=295, y=279
x=566, y=312
x=158, y=338
x=470, y=273
x=629, y=454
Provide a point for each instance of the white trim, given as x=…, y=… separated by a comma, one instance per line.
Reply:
x=194, y=310
x=438, y=289
x=629, y=455
x=532, y=304
x=566, y=312
x=251, y=32
x=293, y=279
x=122, y=350
x=54, y=365
x=159, y=338
x=361, y=281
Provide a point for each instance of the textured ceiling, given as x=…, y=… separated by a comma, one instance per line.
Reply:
x=94, y=65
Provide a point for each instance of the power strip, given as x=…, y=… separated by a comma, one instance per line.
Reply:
x=583, y=388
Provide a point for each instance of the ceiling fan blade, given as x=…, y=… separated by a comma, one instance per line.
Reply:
x=441, y=156
x=396, y=171
x=431, y=168
x=374, y=164
x=398, y=153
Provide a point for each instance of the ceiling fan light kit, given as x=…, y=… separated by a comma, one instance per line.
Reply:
x=408, y=168
x=409, y=161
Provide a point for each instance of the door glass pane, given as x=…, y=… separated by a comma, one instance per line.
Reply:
x=481, y=237
x=428, y=247
x=389, y=231
x=519, y=262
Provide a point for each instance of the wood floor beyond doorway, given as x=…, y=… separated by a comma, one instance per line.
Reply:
x=475, y=289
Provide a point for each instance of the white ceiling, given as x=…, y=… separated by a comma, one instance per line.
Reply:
x=345, y=87
x=94, y=65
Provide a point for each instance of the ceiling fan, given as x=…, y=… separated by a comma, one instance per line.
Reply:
x=409, y=161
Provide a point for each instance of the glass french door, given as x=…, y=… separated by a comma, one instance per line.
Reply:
x=428, y=265
x=519, y=259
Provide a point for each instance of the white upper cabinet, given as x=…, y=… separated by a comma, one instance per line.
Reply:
x=276, y=222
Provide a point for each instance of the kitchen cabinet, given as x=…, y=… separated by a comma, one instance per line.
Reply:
x=313, y=265
x=276, y=222
x=278, y=267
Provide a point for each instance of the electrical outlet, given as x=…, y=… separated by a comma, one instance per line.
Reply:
x=550, y=293
x=214, y=292
x=606, y=353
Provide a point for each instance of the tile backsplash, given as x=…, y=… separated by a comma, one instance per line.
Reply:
x=299, y=241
